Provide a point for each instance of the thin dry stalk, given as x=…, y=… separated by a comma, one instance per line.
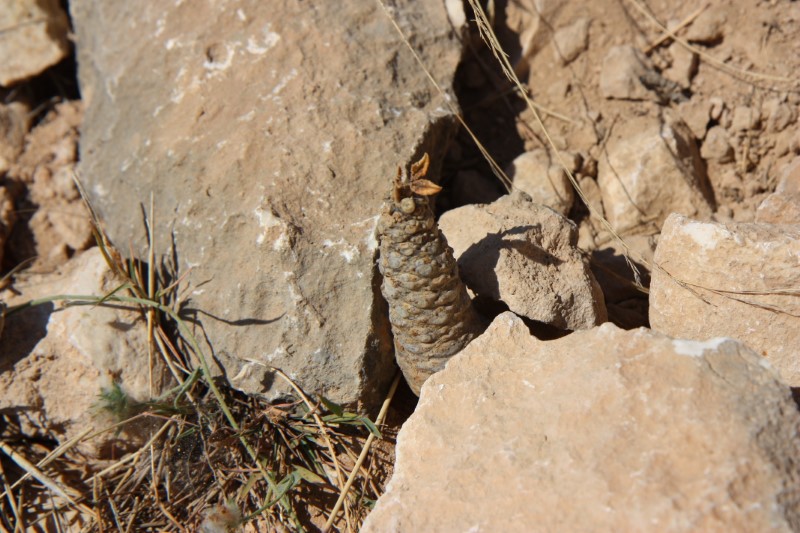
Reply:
x=737, y=73
x=364, y=452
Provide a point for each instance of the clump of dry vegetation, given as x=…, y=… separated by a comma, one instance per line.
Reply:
x=215, y=460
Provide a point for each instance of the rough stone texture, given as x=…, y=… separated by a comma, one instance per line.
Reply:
x=546, y=183
x=779, y=114
x=717, y=145
x=7, y=218
x=13, y=127
x=745, y=118
x=61, y=224
x=783, y=206
x=526, y=32
x=683, y=67
x=571, y=40
x=54, y=361
x=652, y=168
x=268, y=132
x=708, y=27
x=602, y=430
x=526, y=255
x=622, y=72
x=733, y=258
x=34, y=37
x=696, y=114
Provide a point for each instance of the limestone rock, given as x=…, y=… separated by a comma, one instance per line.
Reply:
x=269, y=135
x=61, y=224
x=783, y=206
x=13, y=127
x=708, y=27
x=745, y=118
x=652, y=168
x=546, y=183
x=780, y=115
x=7, y=218
x=696, y=114
x=53, y=365
x=717, y=145
x=602, y=430
x=526, y=255
x=628, y=74
x=571, y=40
x=622, y=72
x=34, y=38
x=683, y=67
x=739, y=278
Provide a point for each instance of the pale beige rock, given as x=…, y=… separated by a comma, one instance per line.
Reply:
x=34, y=37
x=622, y=72
x=13, y=127
x=61, y=224
x=739, y=280
x=683, y=67
x=269, y=134
x=524, y=25
x=546, y=183
x=7, y=218
x=602, y=430
x=783, y=206
x=649, y=170
x=526, y=255
x=54, y=360
x=717, y=145
x=745, y=118
x=779, y=114
x=696, y=114
x=708, y=27
x=571, y=40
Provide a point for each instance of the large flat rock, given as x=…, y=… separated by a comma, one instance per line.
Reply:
x=733, y=279
x=602, y=430
x=268, y=133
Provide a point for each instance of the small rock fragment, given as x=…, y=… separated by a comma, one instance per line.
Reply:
x=734, y=276
x=717, y=107
x=745, y=118
x=7, y=218
x=13, y=127
x=628, y=74
x=717, y=146
x=708, y=27
x=34, y=38
x=602, y=430
x=526, y=255
x=622, y=73
x=546, y=183
x=780, y=115
x=650, y=169
x=571, y=40
x=783, y=206
x=696, y=114
x=684, y=65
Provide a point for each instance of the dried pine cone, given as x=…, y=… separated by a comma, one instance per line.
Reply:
x=429, y=308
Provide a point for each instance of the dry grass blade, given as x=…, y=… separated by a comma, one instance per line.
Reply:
x=501, y=175
x=43, y=478
x=52, y=456
x=364, y=452
x=685, y=22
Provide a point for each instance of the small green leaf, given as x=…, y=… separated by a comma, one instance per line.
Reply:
x=334, y=408
x=308, y=475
